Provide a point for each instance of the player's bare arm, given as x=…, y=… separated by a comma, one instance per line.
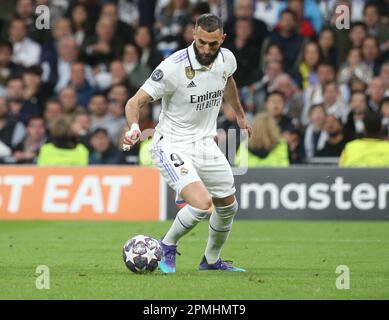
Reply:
x=232, y=98
x=132, y=115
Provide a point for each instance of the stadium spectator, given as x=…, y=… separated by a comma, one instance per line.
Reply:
x=62, y=29
x=100, y=117
x=57, y=70
x=81, y=126
x=149, y=55
x=376, y=29
x=287, y=38
x=355, y=155
x=27, y=150
x=292, y=94
x=384, y=75
x=315, y=137
x=348, y=40
x=384, y=112
x=68, y=100
x=63, y=148
x=246, y=52
x=118, y=73
x=81, y=28
x=354, y=127
x=314, y=94
x=14, y=88
x=243, y=9
x=267, y=11
x=8, y=68
x=275, y=106
x=105, y=46
x=220, y=8
x=169, y=25
x=186, y=38
x=119, y=93
x=375, y=92
x=336, y=141
x=124, y=31
x=102, y=150
x=265, y=147
x=254, y=95
x=371, y=54
x=116, y=110
x=307, y=69
x=53, y=110
x=304, y=25
x=11, y=131
x=35, y=91
x=79, y=82
x=327, y=46
x=354, y=68
x=333, y=102
x=26, y=52
x=136, y=72
x=295, y=147
x=273, y=53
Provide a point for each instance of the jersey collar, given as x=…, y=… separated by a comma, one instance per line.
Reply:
x=194, y=64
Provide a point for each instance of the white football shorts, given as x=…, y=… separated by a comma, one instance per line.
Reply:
x=181, y=164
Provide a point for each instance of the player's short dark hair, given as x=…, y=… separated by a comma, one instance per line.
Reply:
x=209, y=22
x=373, y=124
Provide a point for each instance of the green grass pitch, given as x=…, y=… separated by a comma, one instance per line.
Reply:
x=284, y=259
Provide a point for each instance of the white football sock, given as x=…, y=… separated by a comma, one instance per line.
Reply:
x=220, y=225
x=186, y=219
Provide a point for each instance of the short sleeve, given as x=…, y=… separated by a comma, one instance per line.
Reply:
x=161, y=81
x=231, y=61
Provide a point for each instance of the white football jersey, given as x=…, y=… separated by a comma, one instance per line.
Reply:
x=191, y=94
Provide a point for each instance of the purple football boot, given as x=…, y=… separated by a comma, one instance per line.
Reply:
x=219, y=265
x=168, y=262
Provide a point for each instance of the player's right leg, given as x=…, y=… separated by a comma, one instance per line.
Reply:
x=197, y=208
x=179, y=172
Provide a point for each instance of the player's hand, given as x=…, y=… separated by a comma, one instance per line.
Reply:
x=131, y=137
x=244, y=124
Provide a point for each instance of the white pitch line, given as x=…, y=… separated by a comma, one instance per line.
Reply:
x=293, y=240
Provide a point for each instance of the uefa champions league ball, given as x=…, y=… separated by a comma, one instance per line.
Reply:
x=142, y=254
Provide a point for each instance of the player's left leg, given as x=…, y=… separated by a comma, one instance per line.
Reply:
x=219, y=180
x=220, y=224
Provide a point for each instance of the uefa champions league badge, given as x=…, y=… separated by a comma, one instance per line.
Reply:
x=157, y=75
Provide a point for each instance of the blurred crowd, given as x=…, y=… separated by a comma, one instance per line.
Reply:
x=306, y=83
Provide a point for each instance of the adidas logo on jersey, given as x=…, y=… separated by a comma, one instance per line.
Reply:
x=191, y=85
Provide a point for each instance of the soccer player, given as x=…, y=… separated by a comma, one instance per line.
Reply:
x=192, y=83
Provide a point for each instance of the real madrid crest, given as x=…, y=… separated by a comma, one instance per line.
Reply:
x=224, y=76
x=189, y=72
x=183, y=171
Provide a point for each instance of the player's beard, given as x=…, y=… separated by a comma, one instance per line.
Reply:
x=205, y=60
